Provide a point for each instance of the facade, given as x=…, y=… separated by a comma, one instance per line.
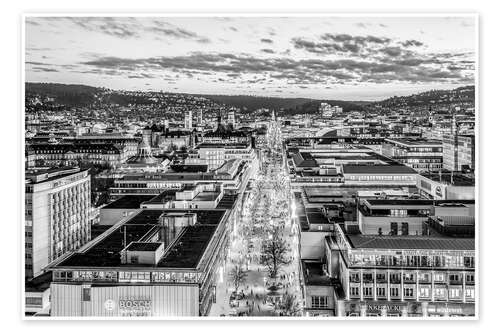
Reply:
x=234, y=175
x=379, y=175
x=168, y=267
x=57, y=215
x=421, y=155
x=68, y=154
x=446, y=186
x=458, y=152
x=400, y=276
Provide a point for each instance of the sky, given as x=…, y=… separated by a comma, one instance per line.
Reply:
x=350, y=58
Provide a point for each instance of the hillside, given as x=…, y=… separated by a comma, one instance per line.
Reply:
x=82, y=95
x=464, y=94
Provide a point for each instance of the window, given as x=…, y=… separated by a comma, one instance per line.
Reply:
x=454, y=278
x=394, y=292
x=439, y=292
x=469, y=292
x=354, y=291
x=404, y=228
x=380, y=292
x=394, y=228
x=455, y=293
x=86, y=294
x=408, y=292
x=320, y=302
x=469, y=278
x=438, y=277
x=33, y=301
x=368, y=291
x=424, y=292
x=134, y=259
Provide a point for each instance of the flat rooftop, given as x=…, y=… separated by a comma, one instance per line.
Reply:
x=377, y=169
x=40, y=175
x=459, y=179
x=314, y=275
x=185, y=252
x=416, y=142
x=128, y=202
x=144, y=246
x=410, y=242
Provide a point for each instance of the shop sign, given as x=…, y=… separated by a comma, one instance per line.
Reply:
x=135, y=307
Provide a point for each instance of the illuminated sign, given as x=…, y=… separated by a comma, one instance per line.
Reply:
x=109, y=305
x=135, y=307
x=164, y=185
x=439, y=191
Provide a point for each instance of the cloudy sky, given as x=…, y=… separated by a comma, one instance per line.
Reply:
x=356, y=58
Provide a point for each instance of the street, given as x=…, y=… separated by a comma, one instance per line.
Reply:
x=261, y=273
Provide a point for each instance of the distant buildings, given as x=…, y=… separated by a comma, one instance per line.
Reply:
x=327, y=111
x=421, y=155
x=56, y=215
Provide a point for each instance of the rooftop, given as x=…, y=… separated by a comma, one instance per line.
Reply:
x=185, y=252
x=40, y=175
x=459, y=179
x=128, y=202
x=416, y=142
x=314, y=275
x=377, y=169
x=144, y=246
x=410, y=242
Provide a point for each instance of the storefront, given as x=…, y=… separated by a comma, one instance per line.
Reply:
x=403, y=309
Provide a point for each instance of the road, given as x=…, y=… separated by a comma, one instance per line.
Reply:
x=266, y=208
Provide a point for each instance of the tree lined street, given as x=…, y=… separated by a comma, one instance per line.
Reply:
x=261, y=276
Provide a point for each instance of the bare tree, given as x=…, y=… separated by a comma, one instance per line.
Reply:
x=238, y=276
x=289, y=305
x=275, y=254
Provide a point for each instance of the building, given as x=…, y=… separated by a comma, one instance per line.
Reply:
x=157, y=262
x=459, y=152
x=188, y=120
x=416, y=276
x=446, y=186
x=233, y=175
x=379, y=175
x=69, y=154
x=421, y=155
x=57, y=215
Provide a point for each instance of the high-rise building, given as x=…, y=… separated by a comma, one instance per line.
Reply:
x=188, y=120
x=458, y=152
x=231, y=120
x=57, y=215
x=200, y=117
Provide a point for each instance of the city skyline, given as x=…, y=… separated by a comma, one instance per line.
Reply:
x=349, y=58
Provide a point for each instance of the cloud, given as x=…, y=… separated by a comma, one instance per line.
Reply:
x=412, y=42
x=267, y=51
x=399, y=68
x=267, y=40
x=340, y=43
x=128, y=27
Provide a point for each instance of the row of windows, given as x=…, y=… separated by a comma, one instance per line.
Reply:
x=410, y=292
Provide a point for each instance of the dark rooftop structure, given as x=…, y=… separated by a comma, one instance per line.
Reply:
x=314, y=274
x=185, y=251
x=377, y=169
x=144, y=246
x=129, y=202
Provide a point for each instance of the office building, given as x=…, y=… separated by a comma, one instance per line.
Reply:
x=57, y=215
